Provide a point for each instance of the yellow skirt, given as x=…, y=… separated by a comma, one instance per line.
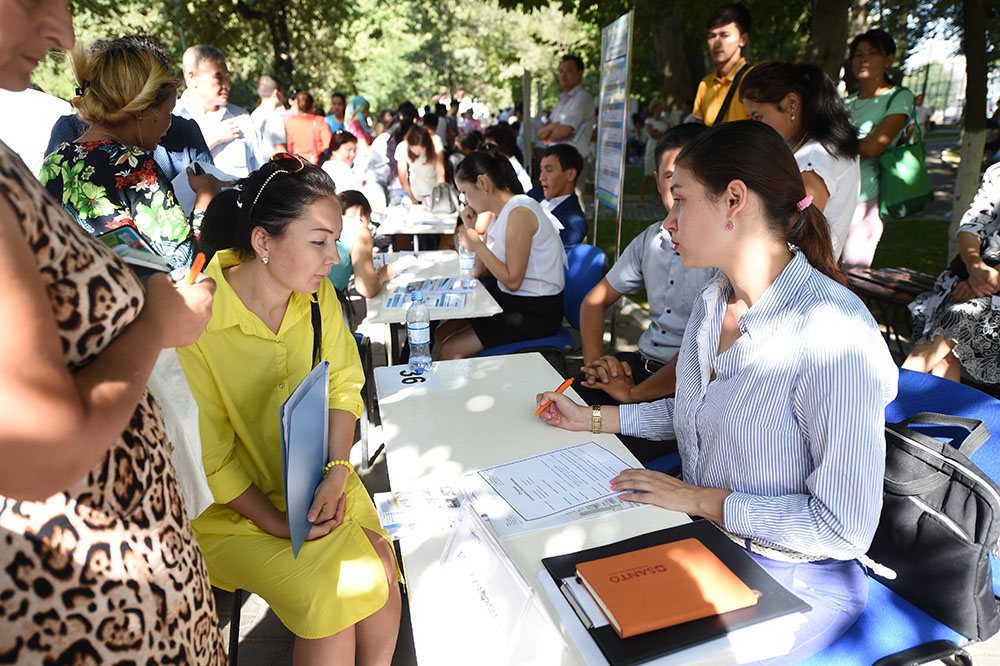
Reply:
x=336, y=581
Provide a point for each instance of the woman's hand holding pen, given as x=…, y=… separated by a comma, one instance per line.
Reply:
x=177, y=313
x=329, y=502
x=563, y=412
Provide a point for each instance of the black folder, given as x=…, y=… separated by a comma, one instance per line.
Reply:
x=775, y=600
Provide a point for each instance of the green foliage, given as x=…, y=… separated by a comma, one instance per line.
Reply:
x=386, y=50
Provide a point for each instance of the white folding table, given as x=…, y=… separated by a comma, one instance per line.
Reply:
x=482, y=414
x=428, y=265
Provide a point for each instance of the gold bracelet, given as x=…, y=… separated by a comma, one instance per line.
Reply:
x=595, y=419
x=330, y=465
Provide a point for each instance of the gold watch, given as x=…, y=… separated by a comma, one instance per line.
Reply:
x=595, y=419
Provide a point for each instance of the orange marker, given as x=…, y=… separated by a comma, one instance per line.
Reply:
x=562, y=387
x=199, y=263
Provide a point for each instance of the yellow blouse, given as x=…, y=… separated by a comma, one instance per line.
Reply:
x=241, y=373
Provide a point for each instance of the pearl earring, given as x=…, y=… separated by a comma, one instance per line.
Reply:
x=793, y=117
x=263, y=260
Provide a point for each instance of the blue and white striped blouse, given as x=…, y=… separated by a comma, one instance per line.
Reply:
x=793, y=422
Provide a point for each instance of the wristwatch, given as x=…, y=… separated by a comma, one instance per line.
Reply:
x=595, y=419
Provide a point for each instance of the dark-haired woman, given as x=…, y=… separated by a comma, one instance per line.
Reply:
x=338, y=104
x=308, y=134
x=782, y=382
x=520, y=248
x=420, y=163
x=801, y=103
x=879, y=111
x=357, y=244
x=274, y=244
x=339, y=162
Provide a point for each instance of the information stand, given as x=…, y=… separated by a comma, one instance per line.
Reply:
x=612, y=127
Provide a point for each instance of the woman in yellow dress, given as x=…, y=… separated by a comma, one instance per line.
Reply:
x=340, y=597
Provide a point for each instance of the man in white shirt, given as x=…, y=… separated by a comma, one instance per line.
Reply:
x=572, y=121
x=228, y=129
x=649, y=262
x=269, y=118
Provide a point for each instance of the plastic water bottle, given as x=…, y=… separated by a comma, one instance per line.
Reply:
x=467, y=265
x=418, y=333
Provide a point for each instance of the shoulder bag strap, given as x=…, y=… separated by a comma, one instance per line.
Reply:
x=729, y=96
x=978, y=432
x=317, y=326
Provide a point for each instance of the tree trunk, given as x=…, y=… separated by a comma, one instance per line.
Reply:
x=281, y=43
x=827, y=46
x=974, y=125
x=857, y=25
x=677, y=83
x=276, y=18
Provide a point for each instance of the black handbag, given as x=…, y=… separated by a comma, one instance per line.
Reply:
x=940, y=520
x=989, y=250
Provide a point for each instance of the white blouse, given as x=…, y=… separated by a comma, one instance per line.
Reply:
x=842, y=178
x=545, y=274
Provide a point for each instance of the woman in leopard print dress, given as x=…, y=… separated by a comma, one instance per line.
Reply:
x=98, y=563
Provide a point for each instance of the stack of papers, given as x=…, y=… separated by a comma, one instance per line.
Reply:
x=443, y=301
x=304, y=436
x=434, y=286
x=550, y=489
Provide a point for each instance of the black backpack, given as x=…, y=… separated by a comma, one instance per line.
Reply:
x=940, y=520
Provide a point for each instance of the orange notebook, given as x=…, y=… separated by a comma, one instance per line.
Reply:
x=658, y=587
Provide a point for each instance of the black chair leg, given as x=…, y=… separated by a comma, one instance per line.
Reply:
x=234, y=627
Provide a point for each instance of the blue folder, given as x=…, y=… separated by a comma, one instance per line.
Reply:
x=304, y=435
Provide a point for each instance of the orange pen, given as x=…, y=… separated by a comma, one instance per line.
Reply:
x=199, y=263
x=562, y=387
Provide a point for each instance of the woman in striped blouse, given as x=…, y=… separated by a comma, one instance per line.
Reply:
x=782, y=382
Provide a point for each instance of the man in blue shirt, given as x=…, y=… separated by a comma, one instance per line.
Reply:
x=560, y=166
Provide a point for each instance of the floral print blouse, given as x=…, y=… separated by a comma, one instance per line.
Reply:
x=105, y=185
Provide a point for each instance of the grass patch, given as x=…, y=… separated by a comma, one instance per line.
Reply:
x=918, y=244
x=631, y=227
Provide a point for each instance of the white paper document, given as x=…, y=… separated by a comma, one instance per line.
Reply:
x=547, y=490
x=557, y=481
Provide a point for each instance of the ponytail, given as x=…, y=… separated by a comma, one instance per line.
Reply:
x=752, y=152
x=810, y=232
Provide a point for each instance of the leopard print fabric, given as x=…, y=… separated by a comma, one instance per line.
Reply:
x=108, y=571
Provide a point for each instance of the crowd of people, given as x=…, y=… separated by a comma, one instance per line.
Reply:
x=760, y=366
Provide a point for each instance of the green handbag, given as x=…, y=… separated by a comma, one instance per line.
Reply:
x=904, y=187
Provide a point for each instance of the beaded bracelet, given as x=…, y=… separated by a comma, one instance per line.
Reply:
x=330, y=465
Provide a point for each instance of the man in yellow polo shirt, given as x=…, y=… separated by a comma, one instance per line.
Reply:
x=728, y=32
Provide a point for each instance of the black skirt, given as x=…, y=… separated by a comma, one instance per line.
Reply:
x=523, y=318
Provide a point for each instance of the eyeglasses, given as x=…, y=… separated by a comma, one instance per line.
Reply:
x=283, y=163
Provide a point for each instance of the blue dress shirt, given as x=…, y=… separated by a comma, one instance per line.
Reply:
x=793, y=421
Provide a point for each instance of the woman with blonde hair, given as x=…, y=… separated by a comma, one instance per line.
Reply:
x=107, y=178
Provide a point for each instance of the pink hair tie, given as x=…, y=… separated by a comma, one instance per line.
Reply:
x=805, y=203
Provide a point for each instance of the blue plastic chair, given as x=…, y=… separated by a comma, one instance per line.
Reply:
x=891, y=631
x=585, y=269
